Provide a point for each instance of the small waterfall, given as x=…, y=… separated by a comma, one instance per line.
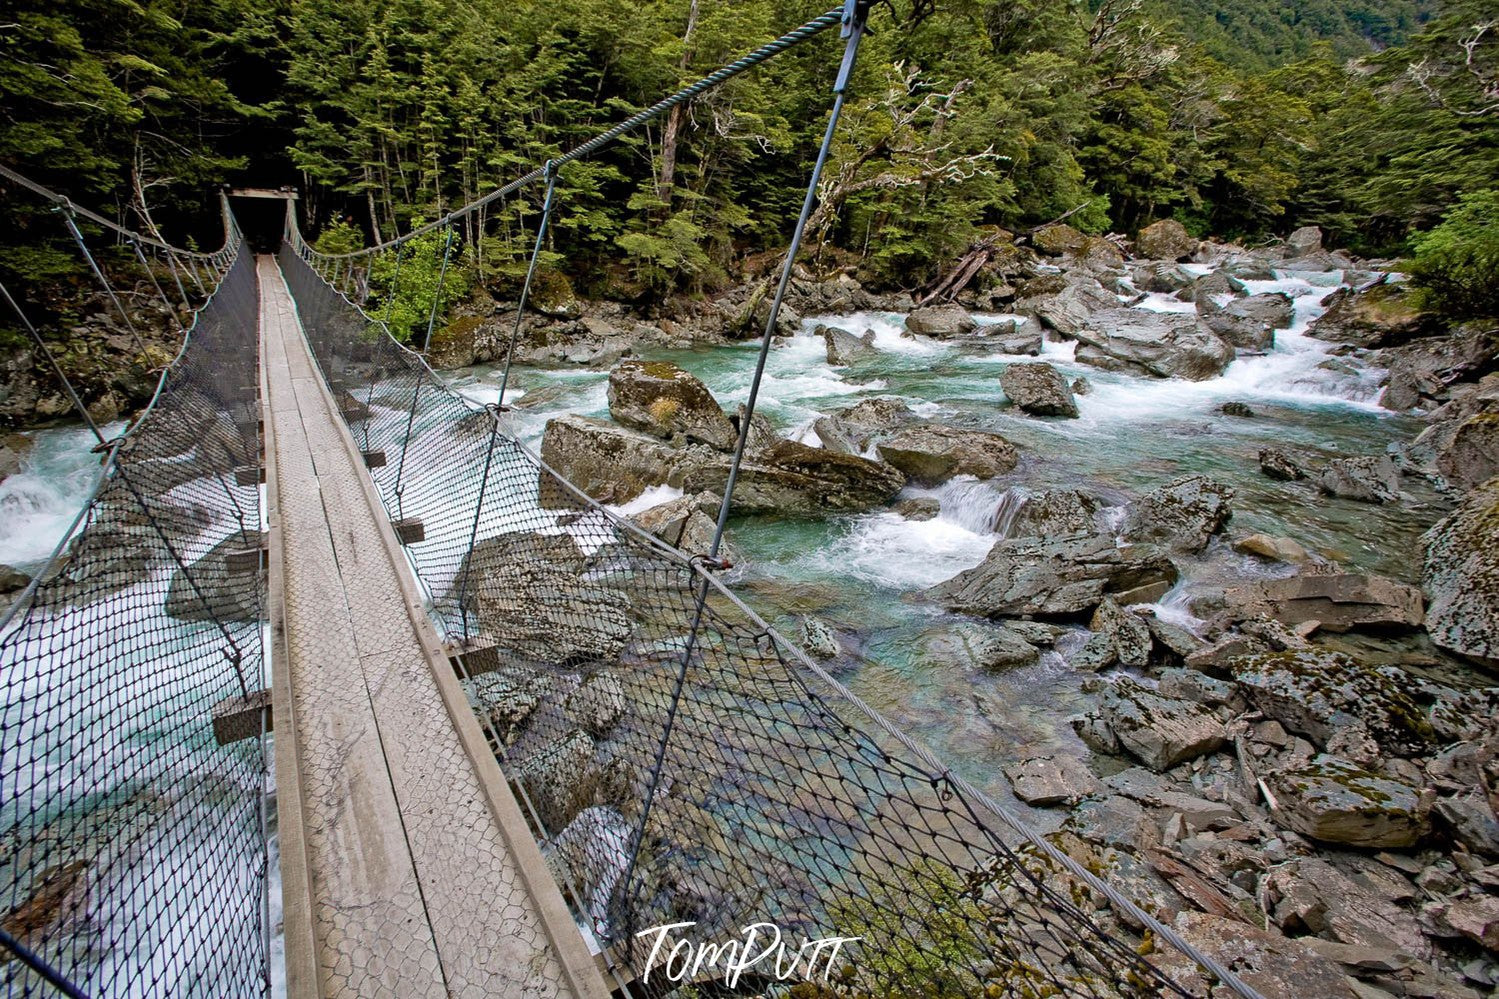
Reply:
x=980, y=507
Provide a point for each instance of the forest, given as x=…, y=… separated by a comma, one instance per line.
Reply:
x=1240, y=119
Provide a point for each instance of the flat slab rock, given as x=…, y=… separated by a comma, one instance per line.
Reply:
x=1159, y=731
x=1052, y=780
x=1271, y=964
x=1334, y=801
x=1336, y=601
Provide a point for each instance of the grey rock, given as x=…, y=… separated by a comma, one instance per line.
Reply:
x=1051, y=780
x=1271, y=964
x=1183, y=514
x=1158, y=731
x=933, y=454
x=1381, y=316
x=818, y=638
x=661, y=399
x=793, y=479
x=1055, y=513
x=918, y=508
x=851, y=430
x=1148, y=789
x=1304, y=241
x=970, y=643
x=597, y=704
x=1334, y=801
x=1167, y=239
x=208, y=591
x=687, y=523
x=561, y=778
x=1095, y=655
x=1038, y=389
x=1368, y=479
x=12, y=580
x=1367, y=929
x=1280, y=466
x=1248, y=323
x=1461, y=453
x=610, y=463
x=1469, y=820
x=1336, y=601
x=1155, y=344
x=1057, y=577
x=941, y=321
x=1129, y=632
x=844, y=347
x=1071, y=308
x=1023, y=337
x=14, y=449
x=1058, y=239
x=1273, y=549
x=1460, y=575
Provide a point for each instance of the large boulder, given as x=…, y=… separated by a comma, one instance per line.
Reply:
x=1183, y=514
x=1320, y=694
x=209, y=590
x=1038, y=389
x=1167, y=239
x=610, y=463
x=561, y=779
x=1058, y=239
x=661, y=399
x=14, y=449
x=1334, y=801
x=1460, y=575
x=1381, y=316
x=1462, y=453
x=1311, y=895
x=1271, y=964
x=1062, y=577
x=1367, y=479
x=1015, y=336
x=1070, y=307
x=845, y=348
x=933, y=454
x=1055, y=513
x=851, y=430
x=1336, y=601
x=1158, y=731
x=1430, y=371
x=941, y=321
x=1157, y=344
x=1248, y=323
x=1052, y=780
x=793, y=479
x=1304, y=241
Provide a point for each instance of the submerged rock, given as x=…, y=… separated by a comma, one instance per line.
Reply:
x=1038, y=389
x=661, y=399
x=1182, y=514
x=1157, y=344
x=1460, y=575
x=933, y=454
x=1368, y=479
x=1335, y=801
x=941, y=321
x=1055, y=577
x=818, y=639
x=985, y=646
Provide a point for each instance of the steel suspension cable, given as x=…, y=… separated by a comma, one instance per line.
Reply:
x=525, y=291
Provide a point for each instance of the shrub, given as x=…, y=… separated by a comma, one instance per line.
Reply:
x=1456, y=264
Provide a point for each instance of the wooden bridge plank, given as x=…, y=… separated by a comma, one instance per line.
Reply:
x=487, y=933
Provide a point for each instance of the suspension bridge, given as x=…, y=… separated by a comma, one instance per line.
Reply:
x=331, y=650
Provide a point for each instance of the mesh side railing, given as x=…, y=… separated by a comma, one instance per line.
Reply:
x=743, y=787
x=132, y=843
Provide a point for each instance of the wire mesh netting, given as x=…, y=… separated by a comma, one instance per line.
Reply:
x=680, y=762
x=132, y=844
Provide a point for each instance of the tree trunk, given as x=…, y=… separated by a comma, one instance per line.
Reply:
x=667, y=176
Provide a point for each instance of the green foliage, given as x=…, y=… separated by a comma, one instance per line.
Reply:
x=341, y=236
x=403, y=291
x=1456, y=264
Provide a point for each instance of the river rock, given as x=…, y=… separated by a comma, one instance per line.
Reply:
x=1273, y=549
x=506, y=698
x=1054, y=576
x=1070, y=309
x=664, y=401
x=851, y=430
x=1430, y=371
x=1336, y=601
x=1052, y=780
x=1248, y=323
x=941, y=321
x=1055, y=513
x=1460, y=575
x=547, y=613
x=560, y=779
x=12, y=580
x=1183, y=514
x=845, y=348
x=1475, y=917
x=795, y=480
x=1334, y=801
x=610, y=463
x=933, y=454
x=1164, y=277
x=1269, y=963
x=1129, y=633
x=1157, y=344
x=687, y=523
x=1098, y=254
x=1058, y=239
x=1310, y=895
x=14, y=449
x=597, y=704
x=818, y=639
x=1367, y=479
x=973, y=644
x=1463, y=453
x=1280, y=466
x=1167, y=239
x=1038, y=389
x=1023, y=337
x=1381, y=316
x=1158, y=731
x=918, y=507
x=209, y=591
x=1306, y=240
x=1318, y=694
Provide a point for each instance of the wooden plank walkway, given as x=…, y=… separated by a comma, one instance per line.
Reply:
x=407, y=870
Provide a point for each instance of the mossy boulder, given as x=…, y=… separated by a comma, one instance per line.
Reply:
x=1058, y=239
x=1381, y=316
x=1334, y=801
x=663, y=400
x=1460, y=575
x=1167, y=239
x=455, y=345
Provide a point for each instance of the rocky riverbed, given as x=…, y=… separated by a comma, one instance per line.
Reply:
x=1185, y=549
